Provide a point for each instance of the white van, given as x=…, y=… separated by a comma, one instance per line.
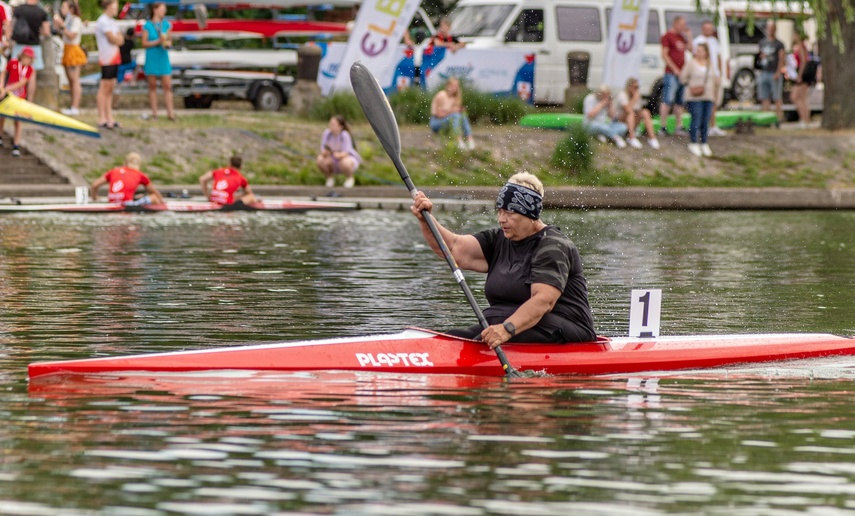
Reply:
x=554, y=28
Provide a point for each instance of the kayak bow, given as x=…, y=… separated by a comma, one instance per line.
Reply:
x=425, y=352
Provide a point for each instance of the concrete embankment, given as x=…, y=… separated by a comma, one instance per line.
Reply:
x=479, y=198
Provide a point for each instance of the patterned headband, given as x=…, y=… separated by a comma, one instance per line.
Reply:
x=519, y=199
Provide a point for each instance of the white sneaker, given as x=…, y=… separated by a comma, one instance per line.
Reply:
x=330, y=182
x=70, y=111
x=16, y=152
x=601, y=138
x=619, y=142
x=349, y=182
x=715, y=131
x=461, y=144
x=705, y=150
x=634, y=143
x=654, y=143
x=681, y=132
x=695, y=149
x=470, y=144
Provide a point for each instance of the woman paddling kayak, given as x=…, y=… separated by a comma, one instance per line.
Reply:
x=535, y=285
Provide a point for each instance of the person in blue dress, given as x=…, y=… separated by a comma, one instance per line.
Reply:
x=156, y=40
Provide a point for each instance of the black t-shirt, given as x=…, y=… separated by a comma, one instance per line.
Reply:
x=35, y=17
x=546, y=257
x=125, y=50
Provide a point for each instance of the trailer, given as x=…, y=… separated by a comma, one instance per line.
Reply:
x=203, y=76
x=266, y=91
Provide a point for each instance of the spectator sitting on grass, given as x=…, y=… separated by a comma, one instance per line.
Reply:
x=446, y=111
x=631, y=112
x=600, y=117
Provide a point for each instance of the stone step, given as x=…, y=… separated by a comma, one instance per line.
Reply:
x=25, y=170
x=7, y=153
x=29, y=180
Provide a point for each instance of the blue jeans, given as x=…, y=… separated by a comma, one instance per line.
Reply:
x=672, y=90
x=701, y=110
x=769, y=88
x=458, y=122
x=607, y=129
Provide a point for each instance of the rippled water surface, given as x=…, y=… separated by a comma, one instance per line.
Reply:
x=768, y=439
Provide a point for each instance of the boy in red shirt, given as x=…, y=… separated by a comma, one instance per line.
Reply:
x=226, y=182
x=18, y=79
x=123, y=183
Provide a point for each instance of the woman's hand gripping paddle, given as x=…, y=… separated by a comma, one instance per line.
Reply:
x=382, y=120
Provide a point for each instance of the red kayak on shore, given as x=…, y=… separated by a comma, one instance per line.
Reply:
x=181, y=207
x=426, y=352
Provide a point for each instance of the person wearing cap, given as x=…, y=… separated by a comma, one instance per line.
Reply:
x=18, y=79
x=535, y=285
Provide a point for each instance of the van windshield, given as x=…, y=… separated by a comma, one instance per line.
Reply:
x=479, y=20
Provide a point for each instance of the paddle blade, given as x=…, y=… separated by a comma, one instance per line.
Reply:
x=377, y=110
x=25, y=111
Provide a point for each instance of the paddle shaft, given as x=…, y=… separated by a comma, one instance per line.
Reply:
x=379, y=113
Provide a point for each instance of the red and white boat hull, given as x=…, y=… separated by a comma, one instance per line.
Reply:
x=425, y=352
x=181, y=207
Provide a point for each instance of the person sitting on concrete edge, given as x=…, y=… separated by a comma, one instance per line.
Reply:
x=600, y=116
x=447, y=111
x=633, y=114
x=226, y=181
x=123, y=183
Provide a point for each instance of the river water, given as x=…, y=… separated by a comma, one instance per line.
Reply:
x=769, y=439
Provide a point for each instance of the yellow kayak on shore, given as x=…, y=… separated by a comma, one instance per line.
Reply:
x=25, y=111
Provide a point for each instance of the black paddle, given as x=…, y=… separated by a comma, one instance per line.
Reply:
x=379, y=114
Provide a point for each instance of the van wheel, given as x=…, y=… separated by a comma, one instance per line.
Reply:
x=745, y=86
x=268, y=98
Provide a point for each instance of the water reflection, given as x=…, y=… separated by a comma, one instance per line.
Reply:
x=752, y=440
x=354, y=443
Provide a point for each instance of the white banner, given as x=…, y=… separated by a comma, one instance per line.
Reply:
x=376, y=35
x=502, y=72
x=625, y=47
x=499, y=71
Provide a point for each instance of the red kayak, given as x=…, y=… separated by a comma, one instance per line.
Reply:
x=182, y=207
x=421, y=351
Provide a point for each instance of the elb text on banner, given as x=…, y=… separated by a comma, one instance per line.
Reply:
x=377, y=32
x=627, y=36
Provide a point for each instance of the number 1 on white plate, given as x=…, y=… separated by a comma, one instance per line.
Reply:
x=644, y=310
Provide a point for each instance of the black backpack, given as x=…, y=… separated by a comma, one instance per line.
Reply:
x=809, y=73
x=21, y=31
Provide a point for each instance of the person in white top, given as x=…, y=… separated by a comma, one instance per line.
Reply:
x=708, y=36
x=600, y=117
x=108, y=38
x=69, y=25
x=630, y=111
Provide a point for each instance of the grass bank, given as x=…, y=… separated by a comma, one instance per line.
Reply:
x=279, y=149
